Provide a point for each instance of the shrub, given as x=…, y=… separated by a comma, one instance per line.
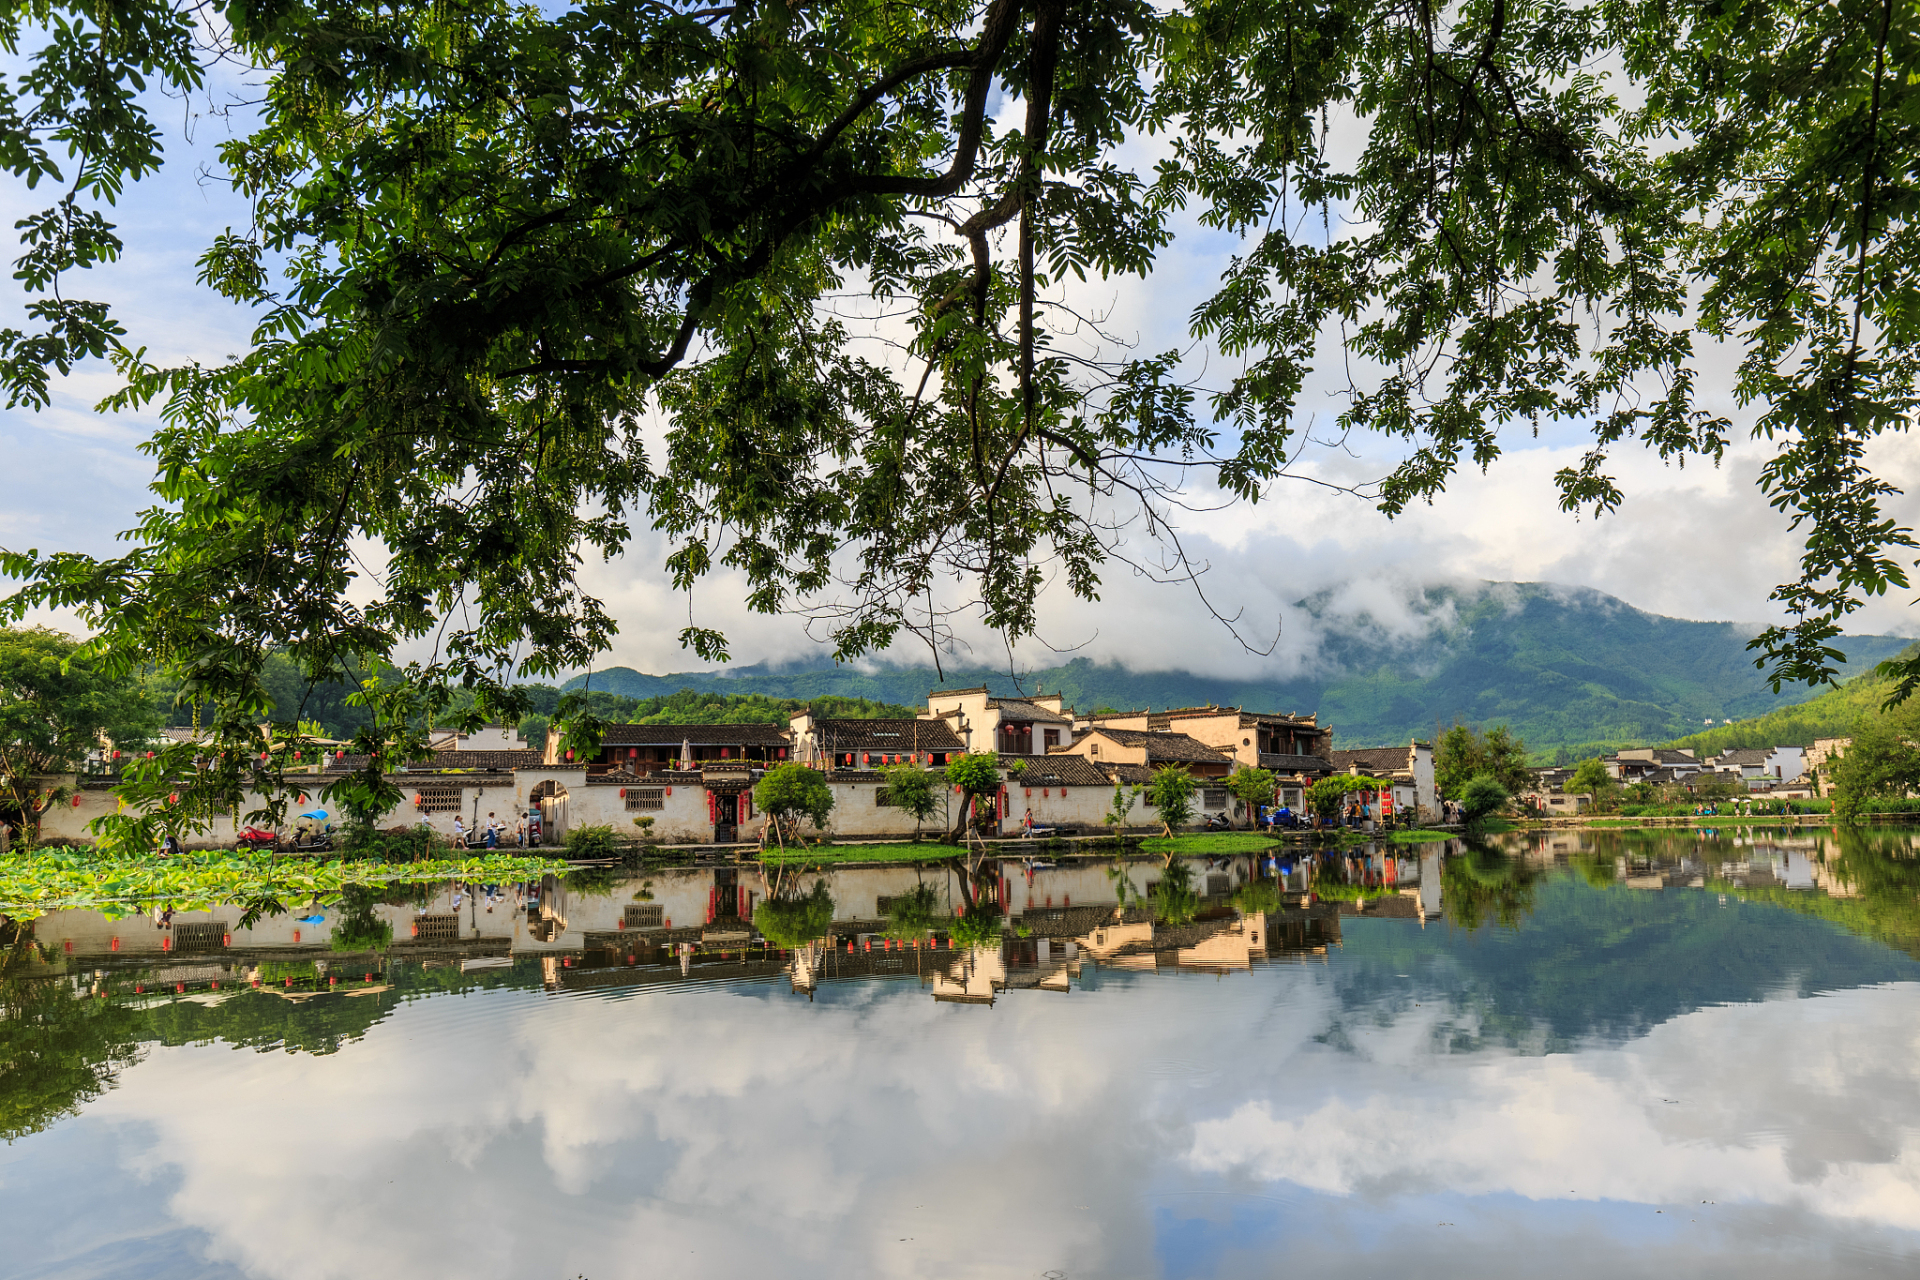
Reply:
x=1481, y=798
x=394, y=844
x=585, y=843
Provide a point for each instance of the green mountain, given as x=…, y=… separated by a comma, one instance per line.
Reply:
x=1830, y=714
x=1566, y=668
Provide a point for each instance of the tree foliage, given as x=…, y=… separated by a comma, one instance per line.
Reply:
x=789, y=792
x=977, y=774
x=1481, y=798
x=1592, y=779
x=58, y=704
x=1171, y=795
x=1252, y=788
x=910, y=788
x=1882, y=760
x=487, y=244
x=1464, y=751
x=1327, y=797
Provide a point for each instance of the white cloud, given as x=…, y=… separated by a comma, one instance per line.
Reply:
x=711, y=1132
x=1765, y=1104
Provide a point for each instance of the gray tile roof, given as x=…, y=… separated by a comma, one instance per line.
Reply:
x=1021, y=709
x=699, y=735
x=1057, y=770
x=890, y=736
x=1164, y=746
x=1373, y=760
x=1283, y=762
x=1745, y=755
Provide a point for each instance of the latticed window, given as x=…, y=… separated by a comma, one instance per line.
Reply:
x=440, y=799
x=882, y=906
x=437, y=928
x=1213, y=798
x=882, y=798
x=200, y=937
x=646, y=799
x=645, y=915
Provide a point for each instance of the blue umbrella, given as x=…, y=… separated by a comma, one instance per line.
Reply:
x=314, y=813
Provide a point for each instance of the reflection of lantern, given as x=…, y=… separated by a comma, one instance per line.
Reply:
x=76, y=802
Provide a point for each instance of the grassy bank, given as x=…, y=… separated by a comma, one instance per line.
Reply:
x=1216, y=843
x=1420, y=836
x=901, y=851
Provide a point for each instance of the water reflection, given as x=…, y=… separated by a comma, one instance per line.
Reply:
x=1551, y=1050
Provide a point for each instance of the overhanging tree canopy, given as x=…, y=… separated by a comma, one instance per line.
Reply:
x=489, y=242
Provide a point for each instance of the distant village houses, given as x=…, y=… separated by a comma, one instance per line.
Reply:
x=1063, y=771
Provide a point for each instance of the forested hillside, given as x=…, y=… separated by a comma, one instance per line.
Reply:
x=1831, y=714
x=1570, y=670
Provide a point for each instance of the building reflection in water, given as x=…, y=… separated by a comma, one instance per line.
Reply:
x=697, y=924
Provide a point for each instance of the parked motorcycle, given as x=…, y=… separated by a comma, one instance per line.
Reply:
x=257, y=839
x=1216, y=822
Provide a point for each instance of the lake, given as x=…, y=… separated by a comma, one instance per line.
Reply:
x=1591, y=1053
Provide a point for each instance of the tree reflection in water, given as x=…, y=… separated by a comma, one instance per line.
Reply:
x=1481, y=884
x=793, y=921
x=59, y=1049
x=911, y=915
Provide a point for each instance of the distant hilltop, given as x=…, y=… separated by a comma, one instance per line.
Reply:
x=1566, y=668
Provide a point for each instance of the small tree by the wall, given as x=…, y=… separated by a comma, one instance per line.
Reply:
x=910, y=787
x=1252, y=788
x=788, y=792
x=977, y=774
x=1171, y=792
x=1121, y=809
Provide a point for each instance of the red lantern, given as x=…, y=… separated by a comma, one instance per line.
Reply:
x=623, y=793
x=569, y=755
x=116, y=755
x=339, y=755
x=173, y=798
x=149, y=755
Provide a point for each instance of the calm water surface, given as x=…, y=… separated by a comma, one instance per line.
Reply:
x=1590, y=1055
